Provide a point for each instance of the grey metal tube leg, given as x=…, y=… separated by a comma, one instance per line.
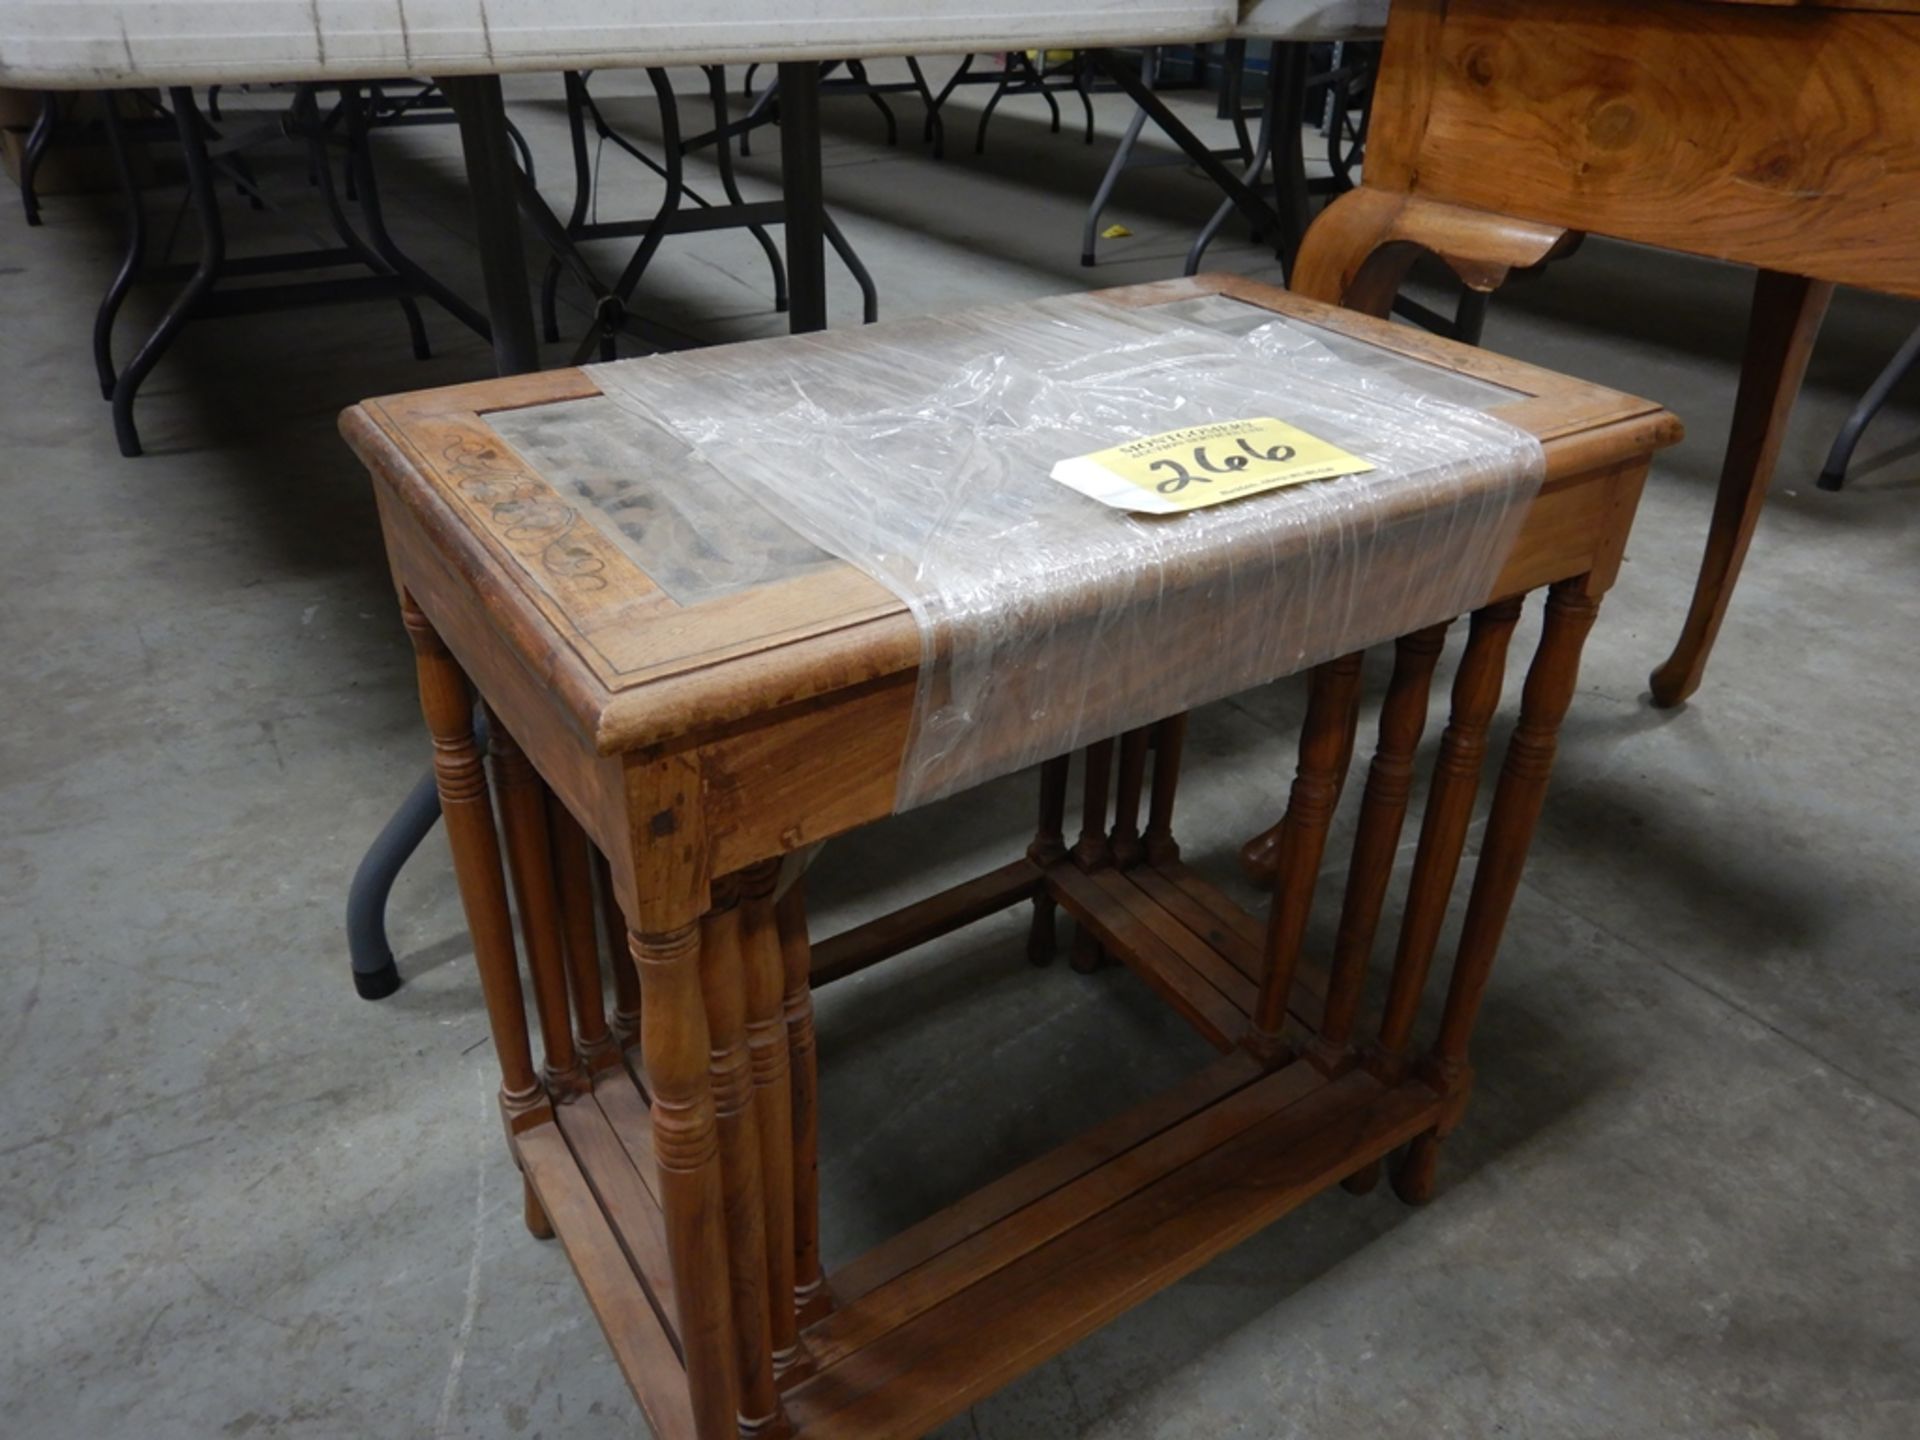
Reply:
x=1270, y=117
x=1834, y=473
x=1253, y=206
x=375, y=976
x=1122, y=154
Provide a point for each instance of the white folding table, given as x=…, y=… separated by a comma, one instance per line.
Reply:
x=467, y=45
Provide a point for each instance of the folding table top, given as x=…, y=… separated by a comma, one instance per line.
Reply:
x=540, y=503
x=97, y=44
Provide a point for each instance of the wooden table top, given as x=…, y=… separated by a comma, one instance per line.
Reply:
x=644, y=647
x=1768, y=133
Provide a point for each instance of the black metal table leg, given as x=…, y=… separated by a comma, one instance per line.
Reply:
x=38, y=138
x=386, y=251
x=1834, y=473
x=953, y=80
x=1232, y=82
x=723, y=162
x=1280, y=114
x=1290, y=158
x=1122, y=158
x=613, y=309
x=858, y=70
x=213, y=254
x=1250, y=204
x=575, y=87
x=493, y=181
x=1262, y=149
x=306, y=119
x=934, y=128
x=805, y=194
x=869, y=293
x=1470, y=316
x=135, y=255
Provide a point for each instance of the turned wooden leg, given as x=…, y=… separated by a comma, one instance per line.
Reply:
x=1383, y=810
x=447, y=703
x=573, y=864
x=1128, y=849
x=1443, y=829
x=1049, y=846
x=1092, y=851
x=1358, y=252
x=1522, y=790
x=723, y=982
x=531, y=1211
x=1324, y=737
x=523, y=819
x=1169, y=739
x=809, y=1283
x=1416, y=1173
x=772, y=1096
x=1787, y=310
x=1260, y=856
x=1363, y=1180
x=686, y=1144
x=626, y=979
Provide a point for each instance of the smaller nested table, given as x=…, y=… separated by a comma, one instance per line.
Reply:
x=672, y=723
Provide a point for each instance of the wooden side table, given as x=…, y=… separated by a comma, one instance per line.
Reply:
x=684, y=750
x=1783, y=134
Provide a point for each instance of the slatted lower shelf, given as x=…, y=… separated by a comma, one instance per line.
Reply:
x=951, y=1309
x=924, y=1344
x=1186, y=938
x=592, y=1168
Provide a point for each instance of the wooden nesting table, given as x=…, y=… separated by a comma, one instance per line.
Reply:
x=656, y=763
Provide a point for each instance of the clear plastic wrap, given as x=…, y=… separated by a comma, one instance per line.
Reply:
x=920, y=452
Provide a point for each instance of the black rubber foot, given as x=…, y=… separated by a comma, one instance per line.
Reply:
x=1087, y=260
x=377, y=984
x=1829, y=480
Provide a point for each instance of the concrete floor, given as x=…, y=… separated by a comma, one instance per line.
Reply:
x=238, y=1201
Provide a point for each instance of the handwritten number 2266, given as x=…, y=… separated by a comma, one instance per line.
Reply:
x=1181, y=477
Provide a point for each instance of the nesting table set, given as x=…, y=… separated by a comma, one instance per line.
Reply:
x=682, y=703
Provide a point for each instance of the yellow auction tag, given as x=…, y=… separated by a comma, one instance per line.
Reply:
x=1205, y=465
